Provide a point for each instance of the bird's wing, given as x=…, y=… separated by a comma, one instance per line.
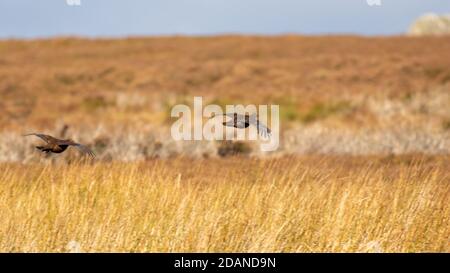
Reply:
x=239, y=124
x=263, y=130
x=82, y=148
x=230, y=115
x=46, y=138
x=240, y=121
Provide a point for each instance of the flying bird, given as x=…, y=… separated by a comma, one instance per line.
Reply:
x=54, y=145
x=244, y=121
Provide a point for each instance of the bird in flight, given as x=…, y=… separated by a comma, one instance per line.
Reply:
x=54, y=145
x=244, y=121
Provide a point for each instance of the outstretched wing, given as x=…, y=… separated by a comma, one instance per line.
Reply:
x=83, y=149
x=230, y=115
x=236, y=120
x=229, y=123
x=46, y=138
x=262, y=129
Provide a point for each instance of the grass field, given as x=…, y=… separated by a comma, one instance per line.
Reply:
x=378, y=95
x=289, y=204
x=363, y=162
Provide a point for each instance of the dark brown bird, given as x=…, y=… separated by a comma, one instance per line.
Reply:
x=244, y=121
x=54, y=145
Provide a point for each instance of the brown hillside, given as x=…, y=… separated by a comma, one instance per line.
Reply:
x=41, y=80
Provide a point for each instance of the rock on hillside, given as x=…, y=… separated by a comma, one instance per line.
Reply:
x=431, y=24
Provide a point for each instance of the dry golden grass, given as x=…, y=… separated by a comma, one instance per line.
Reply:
x=297, y=204
x=337, y=95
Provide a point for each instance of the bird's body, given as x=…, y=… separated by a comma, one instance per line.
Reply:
x=238, y=121
x=52, y=148
x=244, y=121
x=54, y=145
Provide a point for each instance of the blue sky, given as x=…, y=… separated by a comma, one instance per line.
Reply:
x=106, y=18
